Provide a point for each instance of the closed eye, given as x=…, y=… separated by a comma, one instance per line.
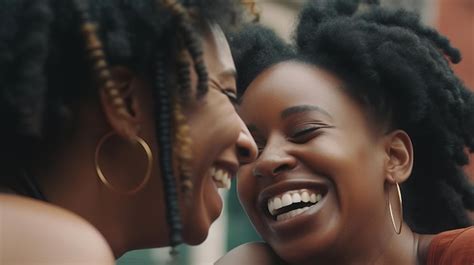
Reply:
x=231, y=96
x=306, y=133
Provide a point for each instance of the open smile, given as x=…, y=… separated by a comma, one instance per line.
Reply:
x=292, y=203
x=222, y=175
x=290, y=200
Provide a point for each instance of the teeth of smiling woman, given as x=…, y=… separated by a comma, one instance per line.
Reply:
x=290, y=214
x=290, y=197
x=221, y=177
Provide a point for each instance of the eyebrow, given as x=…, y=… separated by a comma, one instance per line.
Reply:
x=303, y=108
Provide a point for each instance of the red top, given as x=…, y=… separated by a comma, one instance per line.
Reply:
x=455, y=247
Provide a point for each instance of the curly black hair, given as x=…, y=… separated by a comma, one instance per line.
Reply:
x=43, y=62
x=397, y=69
x=256, y=48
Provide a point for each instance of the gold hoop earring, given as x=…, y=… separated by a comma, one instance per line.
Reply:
x=399, y=229
x=105, y=181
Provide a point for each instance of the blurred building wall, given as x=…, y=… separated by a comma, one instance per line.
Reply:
x=428, y=9
x=280, y=15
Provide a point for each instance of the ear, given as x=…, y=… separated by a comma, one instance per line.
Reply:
x=119, y=103
x=399, y=151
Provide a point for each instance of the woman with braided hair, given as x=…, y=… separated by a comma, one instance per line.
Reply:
x=118, y=126
x=362, y=131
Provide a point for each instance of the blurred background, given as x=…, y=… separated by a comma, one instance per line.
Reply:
x=453, y=18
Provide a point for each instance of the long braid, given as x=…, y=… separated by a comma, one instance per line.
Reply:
x=183, y=141
x=96, y=55
x=24, y=87
x=191, y=42
x=183, y=74
x=33, y=53
x=163, y=111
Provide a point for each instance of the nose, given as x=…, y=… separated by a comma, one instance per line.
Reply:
x=246, y=146
x=273, y=161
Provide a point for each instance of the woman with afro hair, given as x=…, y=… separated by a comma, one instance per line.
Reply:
x=363, y=130
x=118, y=126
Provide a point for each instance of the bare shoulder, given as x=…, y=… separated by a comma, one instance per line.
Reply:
x=34, y=232
x=255, y=253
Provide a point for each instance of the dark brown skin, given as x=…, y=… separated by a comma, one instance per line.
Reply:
x=68, y=177
x=217, y=132
x=313, y=135
x=255, y=253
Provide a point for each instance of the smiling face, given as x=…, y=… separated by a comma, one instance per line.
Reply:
x=221, y=142
x=318, y=183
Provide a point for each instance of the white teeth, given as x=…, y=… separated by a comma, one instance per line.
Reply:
x=277, y=203
x=291, y=214
x=219, y=174
x=271, y=207
x=290, y=197
x=221, y=177
x=286, y=200
x=305, y=196
x=318, y=197
x=296, y=197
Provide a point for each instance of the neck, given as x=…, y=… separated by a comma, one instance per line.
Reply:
x=393, y=249
x=125, y=221
x=398, y=249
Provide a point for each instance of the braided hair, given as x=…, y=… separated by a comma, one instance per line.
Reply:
x=397, y=69
x=42, y=49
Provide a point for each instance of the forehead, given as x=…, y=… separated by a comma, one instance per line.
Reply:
x=217, y=52
x=293, y=83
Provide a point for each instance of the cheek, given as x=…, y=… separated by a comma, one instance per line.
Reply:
x=214, y=126
x=354, y=167
x=247, y=188
x=336, y=154
x=248, y=191
x=215, y=119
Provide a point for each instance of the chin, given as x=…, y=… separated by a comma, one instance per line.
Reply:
x=196, y=237
x=196, y=231
x=296, y=255
x=196, y=227
x=304, y=249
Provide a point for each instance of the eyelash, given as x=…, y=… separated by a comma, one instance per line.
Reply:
x=304, y=131
x=231, y=96
x=301, y=135
x=296, y=137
